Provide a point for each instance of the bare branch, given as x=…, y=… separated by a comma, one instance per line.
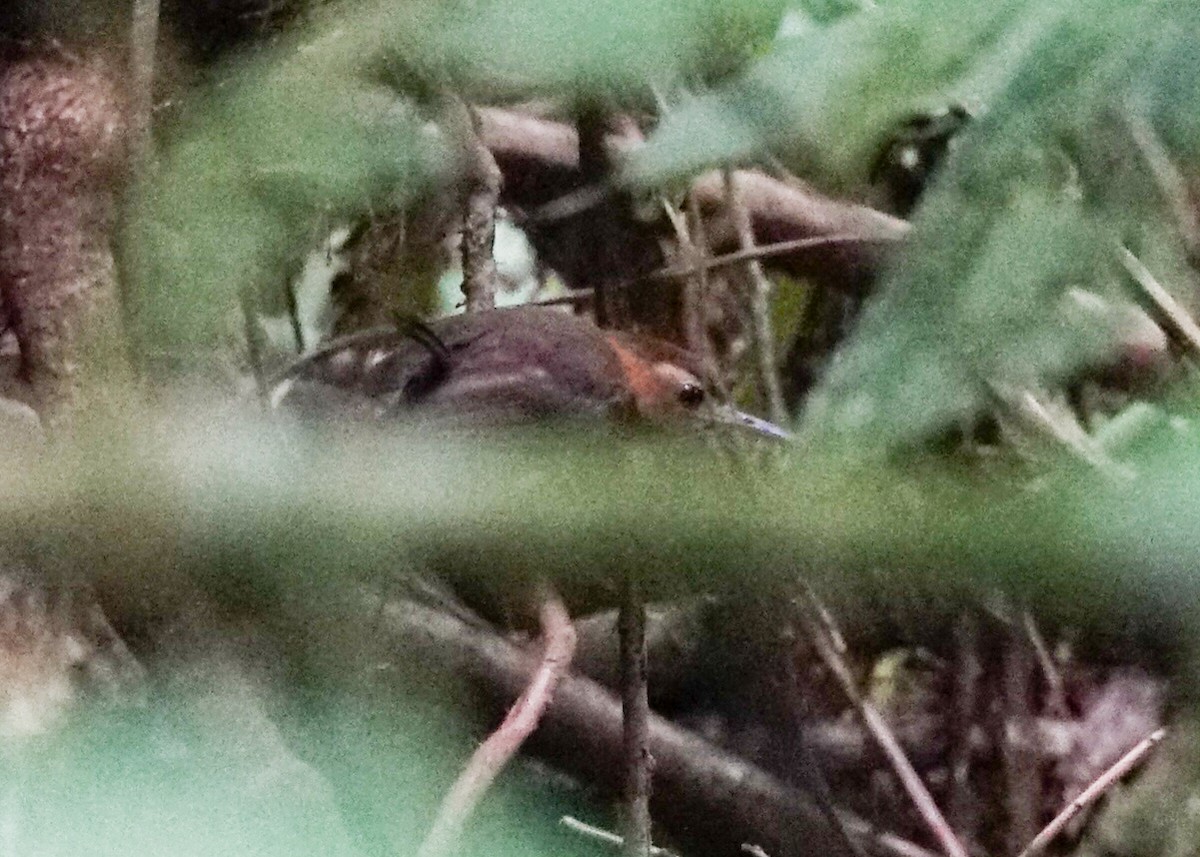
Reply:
x=1163, y=299
x=494, y=753
x=143, y=39
x=635, y=710
x=707, y=797
x=759, y=289
x=882, y=733
x=608, y=836
x=1093, y=792
x=480, y=278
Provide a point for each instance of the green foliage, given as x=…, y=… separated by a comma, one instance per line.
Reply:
x=824, y=100
x=280, y=148
x=1047, y=187
x=589, y=49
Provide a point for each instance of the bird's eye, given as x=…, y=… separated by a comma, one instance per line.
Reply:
x=691, y=395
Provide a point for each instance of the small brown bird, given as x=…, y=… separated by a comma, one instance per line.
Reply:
x=505, y=366
x=498, y=367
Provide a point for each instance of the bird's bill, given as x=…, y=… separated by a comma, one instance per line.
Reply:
x=749, y=422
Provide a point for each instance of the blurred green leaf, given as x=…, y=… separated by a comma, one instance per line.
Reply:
x=606, y=49
x=277, y=150
x=1047, y=188
x=239, y=509
x=825, y=100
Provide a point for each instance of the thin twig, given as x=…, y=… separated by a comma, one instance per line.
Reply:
x=1058, y=422
x=768, y=251
x=1167, y=176
x=697, y=290
x=1093, y=792
x=480, y=278
x=883, y=735
x=961, y=802
x=143, y=39
x=1019, y=761
x=1056, y=692
x=635, y=708
x=825, y=616
x=761, y=251
x=1166, y=303
x=607, y=836
x=805, y=760
x=760, y=289
x=610, y=306
x=492, y=755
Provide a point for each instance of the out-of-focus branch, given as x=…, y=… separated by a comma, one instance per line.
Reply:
x=62, y=152
x=143, y=39
x=494, y=753
x=480, y=278
x=707, y=797
x=635, y=714
x=540, y=162
x=759, y=298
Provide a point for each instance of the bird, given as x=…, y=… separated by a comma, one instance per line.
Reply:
x=526, y=364
x=504, y=367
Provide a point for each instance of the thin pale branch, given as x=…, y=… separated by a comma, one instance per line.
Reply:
x=1093, y=792
x=805, y=759
x=606, y=836
x=143, y=39
x=1056, y=692
x=480, y=277
x=493, y=754
x=1167, y=176
x=1164, y=300
x=635, y=708
x=873, y=721
x=760, y=289
x=769, y=251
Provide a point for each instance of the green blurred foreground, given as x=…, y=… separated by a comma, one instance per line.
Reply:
x=285, y=530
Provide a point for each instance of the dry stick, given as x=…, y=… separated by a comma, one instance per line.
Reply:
x=689, y=233
x=760, y=251
x=968, y=670
x=608, y=836
x=1093, y=792
x=806, y=761
x=709, y=796
x=1178, y=316
x=493, y=754
x=1167, y=176
x=609, y=308
x=1056, y=692
x=768, y=251
x=635, y=710
x=761, y=329
x=697, y=291
x=875, y=724
x=1019, y=761
x=480, y=278
x=143, y=38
